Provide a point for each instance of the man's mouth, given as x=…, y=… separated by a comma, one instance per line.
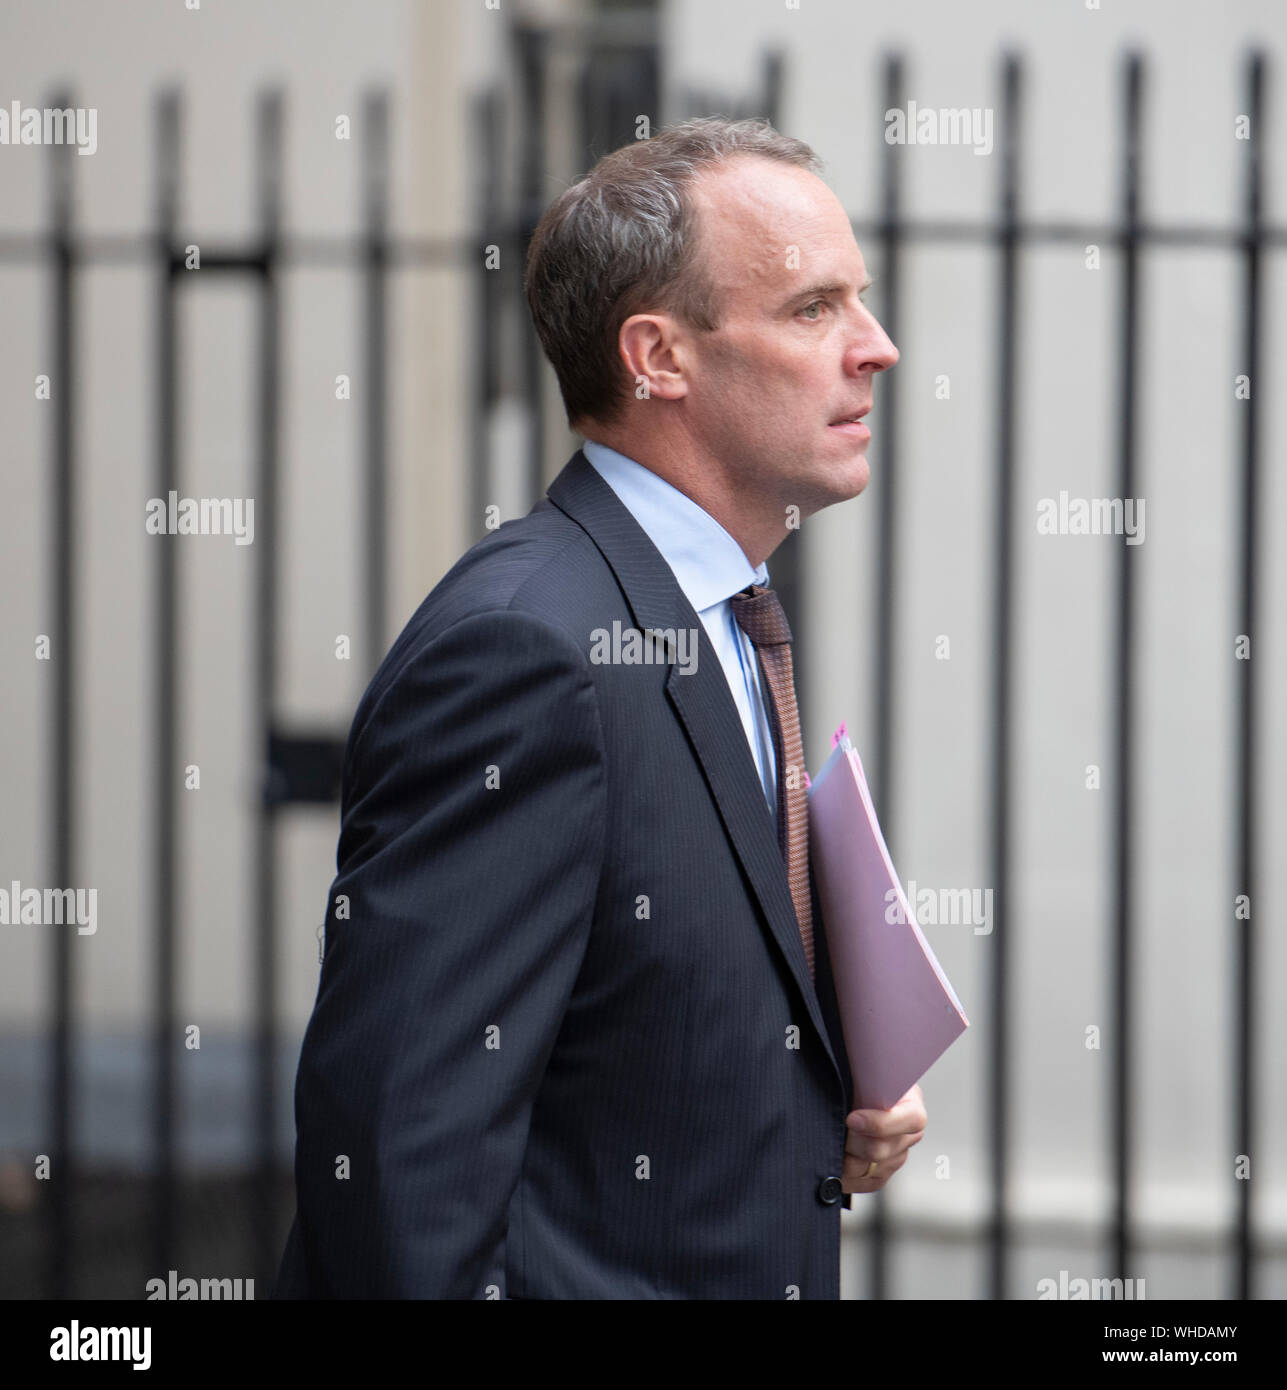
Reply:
x=852, y=424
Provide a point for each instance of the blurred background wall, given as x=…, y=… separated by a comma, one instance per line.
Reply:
x=343, y=233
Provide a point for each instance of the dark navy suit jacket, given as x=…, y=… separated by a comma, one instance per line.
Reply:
x=565, y=1043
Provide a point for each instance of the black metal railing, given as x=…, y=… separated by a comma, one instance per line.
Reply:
x=1132, y=235
x=304, y=766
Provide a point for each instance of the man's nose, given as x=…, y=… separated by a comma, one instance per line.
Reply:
x=874, y=349
x=883, y=352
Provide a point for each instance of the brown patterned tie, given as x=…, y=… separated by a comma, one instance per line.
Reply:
x=760, y=615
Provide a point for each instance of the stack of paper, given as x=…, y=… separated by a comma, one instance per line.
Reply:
x=898, y=1010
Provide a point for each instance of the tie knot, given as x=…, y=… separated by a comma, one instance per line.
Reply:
x=760, y=615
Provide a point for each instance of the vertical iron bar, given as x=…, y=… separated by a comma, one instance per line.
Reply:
x=488, y=305
x=375, y=151
x=1002, y=674
x=891, y=240
x=531, y=56
x=60, y=1190
x=264, y=1235
x=772, y=81
x=165, y=636
x=1121, y=854
x=1245, y=968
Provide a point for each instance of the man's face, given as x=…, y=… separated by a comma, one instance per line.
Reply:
x=796, y=347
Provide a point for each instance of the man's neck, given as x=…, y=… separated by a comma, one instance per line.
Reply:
x=705, y=482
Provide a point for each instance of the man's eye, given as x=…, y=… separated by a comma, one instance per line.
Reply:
x=814, y=305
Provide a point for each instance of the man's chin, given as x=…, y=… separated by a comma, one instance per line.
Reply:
x=833, y=484
x=853, y=478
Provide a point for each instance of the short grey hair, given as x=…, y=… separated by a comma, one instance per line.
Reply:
x=624, y=240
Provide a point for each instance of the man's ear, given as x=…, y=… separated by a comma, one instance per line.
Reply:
x=654, y=356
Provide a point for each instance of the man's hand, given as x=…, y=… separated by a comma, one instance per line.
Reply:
x=882, y=1137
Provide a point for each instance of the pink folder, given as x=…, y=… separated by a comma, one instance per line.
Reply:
x=898, y=1010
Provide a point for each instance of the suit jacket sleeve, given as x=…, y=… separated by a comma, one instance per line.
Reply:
x=469, y=857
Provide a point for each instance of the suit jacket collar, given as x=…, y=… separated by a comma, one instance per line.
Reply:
x=708, y=563
x=703, y=704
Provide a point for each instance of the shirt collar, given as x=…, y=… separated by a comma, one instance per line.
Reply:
x=709, y=565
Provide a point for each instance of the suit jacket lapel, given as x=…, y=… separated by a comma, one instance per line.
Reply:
x=703, y=703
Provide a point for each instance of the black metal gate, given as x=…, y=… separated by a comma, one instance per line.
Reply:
x=620, y=79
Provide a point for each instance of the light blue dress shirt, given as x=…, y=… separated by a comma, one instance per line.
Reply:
x=710, y=567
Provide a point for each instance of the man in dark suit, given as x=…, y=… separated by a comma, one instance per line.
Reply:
x=575, y=1034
